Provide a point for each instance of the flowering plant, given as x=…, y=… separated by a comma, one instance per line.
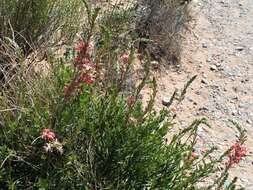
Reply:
x=85, y=69
x=111, y=141
x=52, y=142
x=48, y=135
x=236, y=153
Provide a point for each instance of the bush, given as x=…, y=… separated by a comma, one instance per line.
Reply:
x=28, y=25
x=163, y=22
x=69, y=129
x=33, y=22
x=93, y=141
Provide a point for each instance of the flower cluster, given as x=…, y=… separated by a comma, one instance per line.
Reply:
x=85, y=69
x=236, y=153
x=48, y=135
x=52, y=142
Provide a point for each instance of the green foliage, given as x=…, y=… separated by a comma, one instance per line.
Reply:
x=106, y=143
x=98, y=138
x=30, y=22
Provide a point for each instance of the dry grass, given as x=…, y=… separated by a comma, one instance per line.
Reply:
x=164, y=22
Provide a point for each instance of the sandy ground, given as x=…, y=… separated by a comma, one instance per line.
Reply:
x=220, y=51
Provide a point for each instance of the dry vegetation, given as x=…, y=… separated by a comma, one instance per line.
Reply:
x=164, y=22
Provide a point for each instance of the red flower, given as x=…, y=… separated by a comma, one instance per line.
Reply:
x=81, y=46
x=125, y=58
x=48, y=135
x=236, y=153
x=77, y=59
x=86, y=79
x=85, y=69
x=89, y=80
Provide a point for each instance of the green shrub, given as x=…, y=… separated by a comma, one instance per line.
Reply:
x=103, y=142
x=66, y=129
x=33, y=22
x=28, y=25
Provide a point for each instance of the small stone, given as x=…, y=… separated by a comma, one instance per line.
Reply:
x=234, y=112
x=166, y=101
x=204, y=45
x=239, y=48
x=203, y=109
x=217, y=64
x=235, y=98
x=155, y=64
x=249, y=121
x=213, y=68
x=204, y=81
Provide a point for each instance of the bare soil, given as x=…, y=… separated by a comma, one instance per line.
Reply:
x=220, y=51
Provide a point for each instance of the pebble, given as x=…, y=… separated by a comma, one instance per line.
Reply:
x=234, y=112
x=213, y=68
x=217, y=64
x=249, y=121
x=204, y=81
x=209, y=60
x=155, y=64
x=166, y=101
x=239, y=48
x=204, y=45
x=203, y=109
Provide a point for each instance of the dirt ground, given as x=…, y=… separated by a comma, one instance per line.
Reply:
x=220, y=51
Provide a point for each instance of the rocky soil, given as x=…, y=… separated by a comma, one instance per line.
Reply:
x=220, y=51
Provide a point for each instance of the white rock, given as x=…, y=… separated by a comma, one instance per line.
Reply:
x=165, y=101
x=204, y=81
